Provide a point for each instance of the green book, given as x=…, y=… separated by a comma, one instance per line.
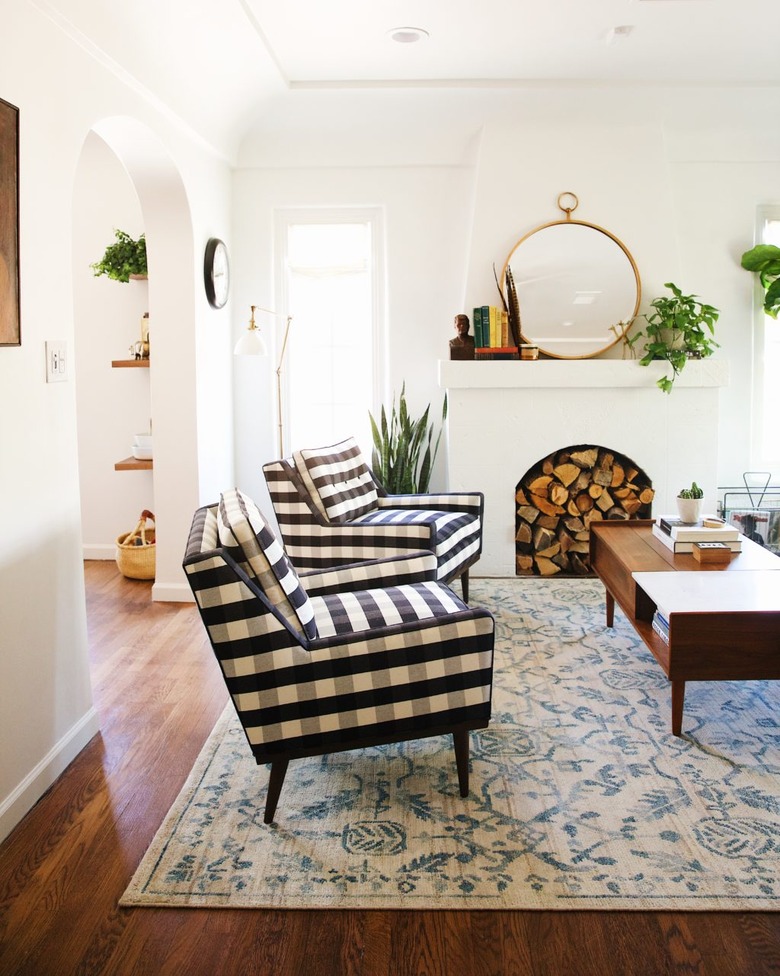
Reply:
x=477, y=325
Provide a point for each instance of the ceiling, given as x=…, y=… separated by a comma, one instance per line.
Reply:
x=347, y=41
x=223, y=66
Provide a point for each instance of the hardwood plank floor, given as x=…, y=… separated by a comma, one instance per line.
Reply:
x=158, y=692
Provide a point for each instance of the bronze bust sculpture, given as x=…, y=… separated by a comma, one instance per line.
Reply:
x=462, y=346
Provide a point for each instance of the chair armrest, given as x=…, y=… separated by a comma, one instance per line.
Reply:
x=472, y=502
x=414, y=567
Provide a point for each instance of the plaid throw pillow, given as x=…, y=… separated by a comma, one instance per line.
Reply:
x=244, y=531
x=341, y=479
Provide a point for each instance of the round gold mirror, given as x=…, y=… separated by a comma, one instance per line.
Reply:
x=577, y=286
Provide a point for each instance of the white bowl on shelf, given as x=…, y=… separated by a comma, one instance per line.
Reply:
x=142, y=447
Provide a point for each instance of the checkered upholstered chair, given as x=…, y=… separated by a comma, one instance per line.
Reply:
x=336, y=659
x=330, y=510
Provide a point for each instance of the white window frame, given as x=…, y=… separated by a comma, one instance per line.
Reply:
x=759, y=460
x=284, y=218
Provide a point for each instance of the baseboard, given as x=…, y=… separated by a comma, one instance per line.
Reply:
x=101, y=551
x=172, y=593
x=21, y=800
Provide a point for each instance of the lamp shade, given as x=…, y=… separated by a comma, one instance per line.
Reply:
x=251, y=343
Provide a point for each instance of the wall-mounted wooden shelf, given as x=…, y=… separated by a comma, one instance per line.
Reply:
x=133, y=464
x=130, y=363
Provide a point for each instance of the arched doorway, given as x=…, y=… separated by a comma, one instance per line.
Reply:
x=164, y=216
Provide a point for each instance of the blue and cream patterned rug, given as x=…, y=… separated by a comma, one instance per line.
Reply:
x=580, y=795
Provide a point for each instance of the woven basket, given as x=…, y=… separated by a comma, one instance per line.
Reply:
x=136, y=550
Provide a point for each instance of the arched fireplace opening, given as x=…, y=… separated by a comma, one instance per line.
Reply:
x=559, y=498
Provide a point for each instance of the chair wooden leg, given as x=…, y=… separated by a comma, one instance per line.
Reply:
x=275, y=781
x=460, y=740
x=464, y=582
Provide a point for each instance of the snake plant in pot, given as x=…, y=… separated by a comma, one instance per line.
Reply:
x=678, y=328
x=404, y=451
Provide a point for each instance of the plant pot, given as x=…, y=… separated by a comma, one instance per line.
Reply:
x=673, y=339
x=689, y=509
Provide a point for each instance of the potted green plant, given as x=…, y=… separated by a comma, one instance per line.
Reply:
x=689, y=503
x=404, y=453
x=678, y=328
x=764, y=260
x=124, y=259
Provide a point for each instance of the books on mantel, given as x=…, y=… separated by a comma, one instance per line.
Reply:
x=680, y=536
x=492, y=337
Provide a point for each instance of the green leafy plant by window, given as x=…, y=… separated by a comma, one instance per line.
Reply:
x=678, y=328
x=404, y=451
x=764, y=260
x=122, y=259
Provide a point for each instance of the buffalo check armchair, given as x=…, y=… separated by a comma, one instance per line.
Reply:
x=335, y=659
x=330, y=510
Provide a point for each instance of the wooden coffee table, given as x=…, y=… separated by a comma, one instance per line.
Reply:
x=724, y=620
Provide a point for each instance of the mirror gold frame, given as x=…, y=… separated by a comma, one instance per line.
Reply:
x=578, y=287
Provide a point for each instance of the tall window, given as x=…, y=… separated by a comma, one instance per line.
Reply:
x=767, y=373
x=329, y=272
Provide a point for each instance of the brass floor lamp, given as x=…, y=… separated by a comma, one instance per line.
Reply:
x=252, y=343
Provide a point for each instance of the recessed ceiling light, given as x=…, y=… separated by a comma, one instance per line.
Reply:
x=619, y=33
x=408, y=35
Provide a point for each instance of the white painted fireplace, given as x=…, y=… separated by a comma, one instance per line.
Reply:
x=505, y=415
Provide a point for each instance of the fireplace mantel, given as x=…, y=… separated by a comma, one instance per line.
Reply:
x=569, y=374
x=505, y=415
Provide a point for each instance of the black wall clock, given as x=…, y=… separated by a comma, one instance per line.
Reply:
x=216, y=272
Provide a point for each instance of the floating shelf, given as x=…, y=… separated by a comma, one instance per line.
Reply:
x=130, y=363
x=133, y=464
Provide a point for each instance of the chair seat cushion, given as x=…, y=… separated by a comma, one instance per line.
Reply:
x=339, y=480
x=245, y=534
x=365, y=610
x=454, y=536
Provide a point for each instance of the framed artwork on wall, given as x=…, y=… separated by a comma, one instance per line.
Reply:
x=10, y=331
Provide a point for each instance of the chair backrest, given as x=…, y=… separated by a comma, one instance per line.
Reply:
x=338, y=480
x=244, y=532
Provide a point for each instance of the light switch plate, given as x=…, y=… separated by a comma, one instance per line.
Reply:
x=56, y=361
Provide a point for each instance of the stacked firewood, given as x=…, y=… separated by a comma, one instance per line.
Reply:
x=559, y=498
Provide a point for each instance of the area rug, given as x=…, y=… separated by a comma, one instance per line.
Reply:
x=581, y=798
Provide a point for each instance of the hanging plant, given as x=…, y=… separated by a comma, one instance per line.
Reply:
x=124, y=259
x=764, y=260
x=404, y=453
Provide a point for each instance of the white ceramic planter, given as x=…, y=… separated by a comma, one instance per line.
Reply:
x=689, y=509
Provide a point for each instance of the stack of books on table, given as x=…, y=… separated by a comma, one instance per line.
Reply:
x=661, y=626
x=681, y=536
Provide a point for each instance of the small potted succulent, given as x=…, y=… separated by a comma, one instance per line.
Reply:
x=689, y=503
x=678, y=328
x=124, y=259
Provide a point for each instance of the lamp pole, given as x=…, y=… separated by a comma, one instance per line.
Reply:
x=279, y=385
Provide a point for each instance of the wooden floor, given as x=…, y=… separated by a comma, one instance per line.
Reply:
x=158, y=693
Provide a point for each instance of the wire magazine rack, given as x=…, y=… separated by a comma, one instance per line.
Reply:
x=754, y=508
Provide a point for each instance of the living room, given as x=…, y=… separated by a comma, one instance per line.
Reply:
x=677, y=170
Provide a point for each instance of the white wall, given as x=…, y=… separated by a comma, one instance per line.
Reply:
x=426, y=217
x=46, y=712
x=675, y=174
